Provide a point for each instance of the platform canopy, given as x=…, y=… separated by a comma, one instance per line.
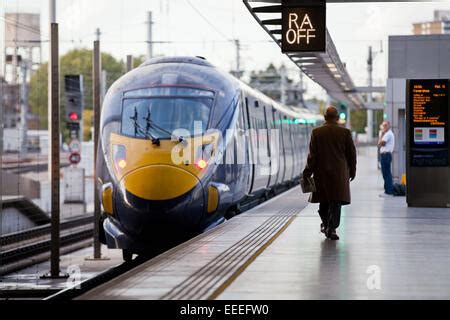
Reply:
x=324, y=68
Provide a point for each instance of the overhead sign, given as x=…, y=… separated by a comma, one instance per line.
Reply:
x=74, y=158
x=428, y=109
x=303, y=26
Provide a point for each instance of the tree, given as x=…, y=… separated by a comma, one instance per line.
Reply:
x=358, y=119
x=137, y=61
x=77, y=61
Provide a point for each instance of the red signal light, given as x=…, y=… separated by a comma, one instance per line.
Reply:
x=73, y=116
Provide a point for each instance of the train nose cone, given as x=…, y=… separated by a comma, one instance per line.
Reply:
x=159, y=182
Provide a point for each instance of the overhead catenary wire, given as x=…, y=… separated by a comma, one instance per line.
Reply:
x=209, y=22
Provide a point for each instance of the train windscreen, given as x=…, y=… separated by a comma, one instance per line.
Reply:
x=158, y=117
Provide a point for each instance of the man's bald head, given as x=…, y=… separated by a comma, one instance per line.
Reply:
x=331, y=114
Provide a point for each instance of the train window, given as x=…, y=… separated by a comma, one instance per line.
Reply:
x=169, y=91
x=159, y=117
x=256, y=104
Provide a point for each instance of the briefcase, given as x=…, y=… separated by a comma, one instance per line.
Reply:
x=307, y=184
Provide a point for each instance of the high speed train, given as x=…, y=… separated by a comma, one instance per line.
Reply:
x=184, y=146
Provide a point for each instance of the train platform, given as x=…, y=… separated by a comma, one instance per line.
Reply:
x=276, y=251
x=78, y=265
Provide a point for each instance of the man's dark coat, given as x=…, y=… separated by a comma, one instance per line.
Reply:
x=332, y=162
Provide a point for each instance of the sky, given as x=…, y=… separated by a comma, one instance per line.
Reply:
x=207, y=28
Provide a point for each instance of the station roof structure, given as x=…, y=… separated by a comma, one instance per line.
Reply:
x=324, y=68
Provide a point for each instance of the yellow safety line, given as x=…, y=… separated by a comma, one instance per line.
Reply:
x=250, y=260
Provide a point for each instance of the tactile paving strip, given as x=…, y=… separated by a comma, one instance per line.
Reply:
x=208, y=280
x=203, y=267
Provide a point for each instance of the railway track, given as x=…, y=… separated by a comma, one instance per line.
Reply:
x=24, y=248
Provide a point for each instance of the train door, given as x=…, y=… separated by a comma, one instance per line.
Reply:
x=242, y=155
x=292, y=126
x=287, y=137
x=230, y=151
x=301, y=142
x=251, y=147
x=283, y=147
x=279, y=152
x=300, y=148
x=295, y=140
x=261, y=172
x=301, y=145
x=271, y=163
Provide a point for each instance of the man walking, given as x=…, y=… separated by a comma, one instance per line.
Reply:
x=386, y=144
x=332, y=163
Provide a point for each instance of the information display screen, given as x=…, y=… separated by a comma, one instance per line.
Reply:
x=428, y=106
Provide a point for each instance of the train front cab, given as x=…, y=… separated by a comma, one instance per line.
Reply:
x=149, y=198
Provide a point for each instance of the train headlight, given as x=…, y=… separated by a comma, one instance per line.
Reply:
x=204, y=156
x=201, y=164
x=122, y=164
x=119, y=157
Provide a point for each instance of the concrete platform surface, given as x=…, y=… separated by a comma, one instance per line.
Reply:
x=76, y=264
x=386, y=251
x=276, y=251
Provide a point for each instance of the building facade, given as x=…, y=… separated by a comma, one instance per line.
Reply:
x=274, y=83
x=10, y=103
x=440, y=24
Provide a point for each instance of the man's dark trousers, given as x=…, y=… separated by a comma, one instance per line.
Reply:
x=386, y=159
x=330, y=213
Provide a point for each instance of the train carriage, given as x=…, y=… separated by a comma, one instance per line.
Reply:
x=184, y=146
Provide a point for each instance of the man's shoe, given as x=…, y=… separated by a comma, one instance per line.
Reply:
x=332, y=235
x=386, y=195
